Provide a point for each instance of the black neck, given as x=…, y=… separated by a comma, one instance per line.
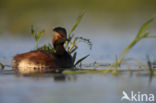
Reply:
x=58, y=45
x=60, y=50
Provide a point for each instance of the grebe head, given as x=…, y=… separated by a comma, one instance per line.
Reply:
x=60, y=35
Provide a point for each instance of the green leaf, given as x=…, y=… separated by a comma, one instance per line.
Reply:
x=144, y=27
x=154, y=37
x=76, y=23
x=70, y=36
x=80, y=60
x=144, y=35
x=41, y=33
x=73, y=50
x=2, y=66
x=73, y=44
x=33, y=31
x=74, y=56
x=149, y=64
x=140, y=35
x=87, y=41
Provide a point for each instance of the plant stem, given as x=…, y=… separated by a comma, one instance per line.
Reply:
x=2, y=66
x=125, y=51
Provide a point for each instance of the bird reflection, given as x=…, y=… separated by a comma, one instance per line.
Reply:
x=57, y=77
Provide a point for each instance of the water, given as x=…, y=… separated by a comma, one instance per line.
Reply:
x=84, y=88
x=110, y=32
x=74, y=88
x=105, y=47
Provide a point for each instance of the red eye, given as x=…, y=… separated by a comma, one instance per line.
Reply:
x=59, y=36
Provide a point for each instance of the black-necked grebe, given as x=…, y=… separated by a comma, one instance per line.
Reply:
x=45, y=61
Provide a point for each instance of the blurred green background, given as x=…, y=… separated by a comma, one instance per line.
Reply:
x=17, y=16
